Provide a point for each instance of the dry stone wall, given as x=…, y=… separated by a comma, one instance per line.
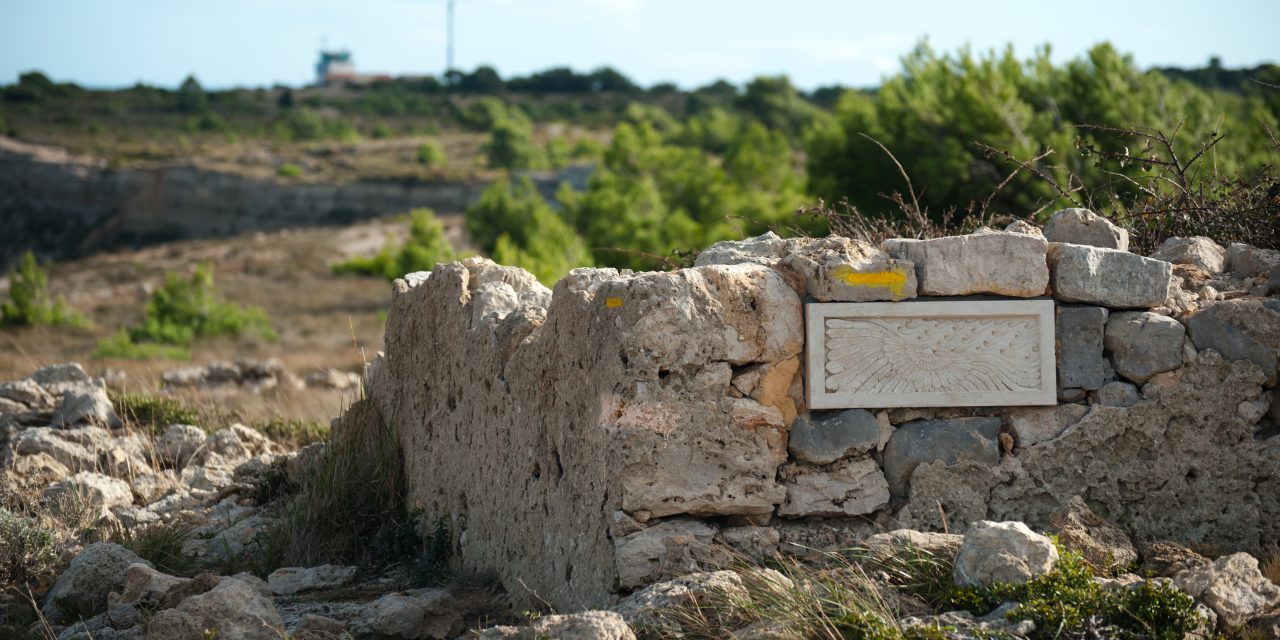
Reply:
x=588, y=440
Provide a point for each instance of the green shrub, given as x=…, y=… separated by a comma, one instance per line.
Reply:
x=1068, y=602
x=29, y=303
x=425, y=247
x=304, y=124
x=382, y=131
x=152, y=413
x=431, y=154
x=180, y=311
x=289, y=170
x=294, y=432
x=28, y=553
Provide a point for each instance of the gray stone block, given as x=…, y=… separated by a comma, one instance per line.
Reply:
x=828, y=436
x=1240, y=330
x=916, y=443
x=1080, y=332
x=1143, y=344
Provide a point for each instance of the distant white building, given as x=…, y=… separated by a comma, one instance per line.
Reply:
x=336, y=67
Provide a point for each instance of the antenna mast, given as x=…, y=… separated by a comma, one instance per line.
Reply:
x=449, y=52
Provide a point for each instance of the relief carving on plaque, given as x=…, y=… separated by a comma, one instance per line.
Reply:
x=962, y=353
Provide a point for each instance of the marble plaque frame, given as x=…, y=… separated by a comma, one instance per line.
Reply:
x=953, y=353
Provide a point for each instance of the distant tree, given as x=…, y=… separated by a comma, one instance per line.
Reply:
x=775, y=103
x=510, y=146
x=32, y=86
x=431, y=154
x=285, y=101
x=664, y=88
x=191, y=96
x=29, y=301
x=610, y=79
x=484, y=79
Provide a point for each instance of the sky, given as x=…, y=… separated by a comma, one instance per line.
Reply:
x=225, y=43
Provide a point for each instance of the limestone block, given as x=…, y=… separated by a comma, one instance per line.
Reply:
x=1022, y=226
x=927, y=354
x=1118, y=394
x=851, y=487
x=1143, y=344
x=999, y=262
x=843, y=279
x=1195, y=250
x=1240, y=329
x=1250, y=261
x=825, y=437
x=1002, y=552
x=1108, y=277
x=949, y=441
x=1082, y=226
x=1078, y=345
x=1039, y=424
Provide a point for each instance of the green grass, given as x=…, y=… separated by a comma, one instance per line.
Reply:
x=294, y=432
x=152, y=413
x=161, y=545
x=289, y=170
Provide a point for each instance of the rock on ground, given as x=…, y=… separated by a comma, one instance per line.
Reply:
x=82, y=589
x=290, y=580
x=939, y=545
x=1233, y=587
x=588, y=625
x=1249, y=261
x=421, y=613
x=91, y=491
x=1102, y=544
x=86, y=404
x=1082, y=226
x=1002, y=552
x=651, y=607
x=234, y=609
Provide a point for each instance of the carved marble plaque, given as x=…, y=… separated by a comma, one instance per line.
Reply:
x=960, y=353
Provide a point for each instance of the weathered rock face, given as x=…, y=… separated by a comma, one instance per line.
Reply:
x=1082, y=226
x=1192, y=448
x=827, y=437
x=1240, y=330
x=234, y=609
x=1005, y=552
x=848, y=488
x=1108, y=277
x=616, y=395
x=999, y=262
x=588, y=625
x=421, y=613
x=1250, y=261
x=291, y=580
x=1103, y=545
x=1233, y=587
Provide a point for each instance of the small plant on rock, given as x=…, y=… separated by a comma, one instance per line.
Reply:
x=28, y=553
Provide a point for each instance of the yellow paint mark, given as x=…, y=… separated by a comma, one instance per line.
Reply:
x=613, y=302
x=894, y=280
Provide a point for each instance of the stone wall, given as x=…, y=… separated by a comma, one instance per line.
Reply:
x=588, y=440
x=63, y=206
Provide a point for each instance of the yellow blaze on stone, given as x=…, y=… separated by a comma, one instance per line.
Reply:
x=613, y=302
x=895, y=280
